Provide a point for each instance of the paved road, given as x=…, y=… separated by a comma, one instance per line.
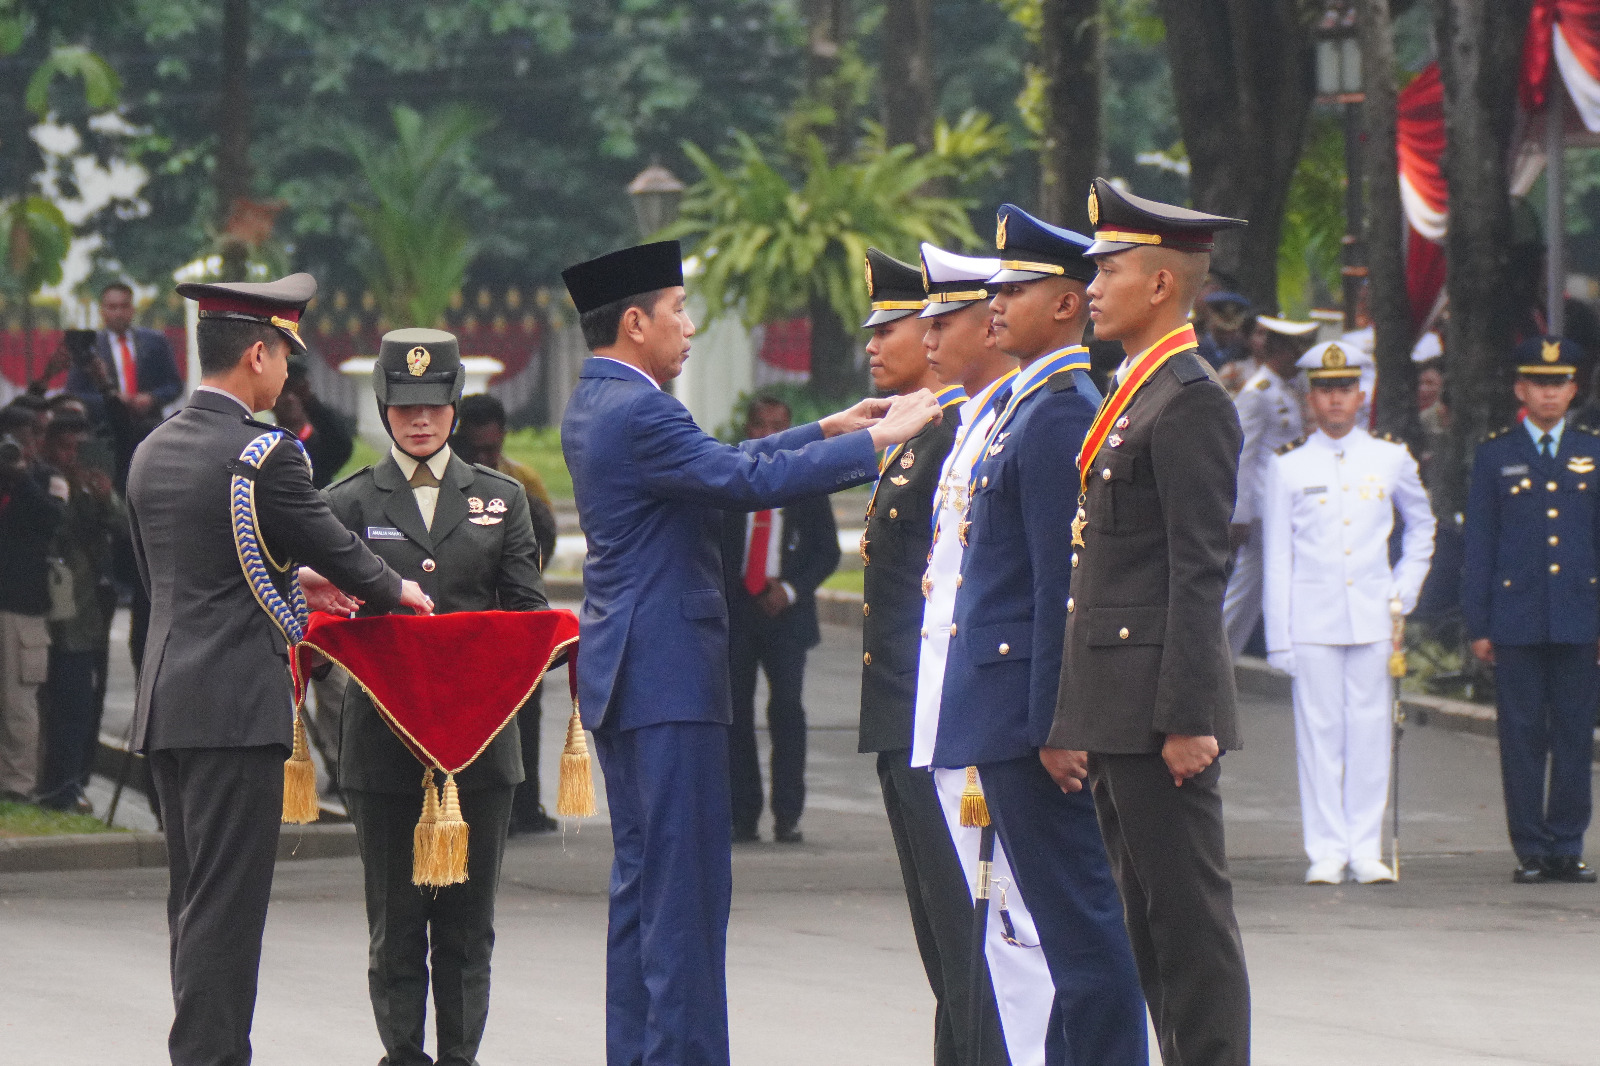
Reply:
x=1454, y=967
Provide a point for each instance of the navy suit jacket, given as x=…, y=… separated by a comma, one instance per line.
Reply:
x=153, y=362
x=651, y=486
x=1530, y=575
x=1004, y=663
x=809, y=553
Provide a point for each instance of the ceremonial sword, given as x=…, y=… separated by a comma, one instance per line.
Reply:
x=1397, y=672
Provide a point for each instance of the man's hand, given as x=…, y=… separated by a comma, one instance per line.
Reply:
x=773, y=600
x=323, y=595
x=1238, y=535
x=1483, y=650
x=1068, y=769
x=412, y=596
x=95, y=482
x=59, y=361
x=1281, y=660
x=140, y=403
x=863, y=415
x=1187, y=756
x=99, y=376
x=906, y=418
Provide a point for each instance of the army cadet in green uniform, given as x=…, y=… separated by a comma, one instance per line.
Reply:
x=462, y=531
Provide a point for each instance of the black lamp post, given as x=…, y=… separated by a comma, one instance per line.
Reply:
x=1339, y=83
x=656, y=194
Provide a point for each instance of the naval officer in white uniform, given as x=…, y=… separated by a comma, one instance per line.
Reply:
x=1269, y=415
x=961, y=350
x=1328, y=509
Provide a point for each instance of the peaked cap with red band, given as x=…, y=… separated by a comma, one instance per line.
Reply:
x=445, y=684
x=1122, y=220
x=272, y=303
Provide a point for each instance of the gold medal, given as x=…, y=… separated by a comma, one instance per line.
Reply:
x=1078, y=522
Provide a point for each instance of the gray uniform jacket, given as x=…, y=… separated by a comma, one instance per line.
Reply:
x=1146, y=655
x=479, y=555
x=216, y=667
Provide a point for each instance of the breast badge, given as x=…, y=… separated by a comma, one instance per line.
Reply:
x=1114, y=440
x=486, y=514
x=1122, y=423
x=1580, y=464
x=896, y=479
x=907, y=460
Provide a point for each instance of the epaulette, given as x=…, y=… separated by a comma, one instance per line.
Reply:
x=1584, y=427
x=254, y=424
x=492, y=472
x=1292, y=445
x=1189, y=367
x=1061, y=381
x=348, y=478
x=1502, y=431
x=1392, y=439
x=1263, y=384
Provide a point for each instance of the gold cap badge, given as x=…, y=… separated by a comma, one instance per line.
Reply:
x=869, y=279
x=1550, y=351
x=926, y=285
x=417, y=360
x=1094, y=206
x=1000, y=232
x=1333, y=358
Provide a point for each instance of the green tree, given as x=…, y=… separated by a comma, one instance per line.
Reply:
x=771, y=247
x=34, y=238
x=419, y=243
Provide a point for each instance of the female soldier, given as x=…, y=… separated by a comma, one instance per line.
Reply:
x=463, y=533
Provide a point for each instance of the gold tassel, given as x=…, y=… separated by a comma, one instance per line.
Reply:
x=575, y=792
x=300, y=804
x=424, y=837
x=1397, y=663
x=447, y=858
x=974, y=809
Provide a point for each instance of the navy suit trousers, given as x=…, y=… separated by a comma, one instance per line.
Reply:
x=1059, y=860
x=671, y=887
x=1547, y=694
x=772, y=647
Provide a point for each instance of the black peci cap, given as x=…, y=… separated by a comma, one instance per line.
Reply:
x=1122, y=220
x=272, y=303
x=621, y=274
x=894, y=289
x=1031, y=248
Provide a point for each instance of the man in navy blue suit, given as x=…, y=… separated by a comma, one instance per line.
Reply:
x=1004, y=665
x=1528, y=594
x=653, y=685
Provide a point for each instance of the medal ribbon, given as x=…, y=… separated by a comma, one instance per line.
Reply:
x=1181, y=339
x=949, y=396
x=1074, y=358
x=984, y=402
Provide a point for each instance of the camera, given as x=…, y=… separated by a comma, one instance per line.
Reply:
x=10, y=451
x=80, y=343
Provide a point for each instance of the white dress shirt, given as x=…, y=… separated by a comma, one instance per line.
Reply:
x=653, y=382
x=1269, y=415
x=427, y=495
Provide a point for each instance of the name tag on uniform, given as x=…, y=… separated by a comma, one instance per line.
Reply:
x=384, y=533
x=1314, y=490
x=1514, y=471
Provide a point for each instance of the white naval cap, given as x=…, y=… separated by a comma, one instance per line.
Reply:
x=1334, y=361
x=1286, y=327
x=953, y=281
x=1428, y=346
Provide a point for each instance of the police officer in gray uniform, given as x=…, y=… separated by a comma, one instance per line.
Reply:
x=464, y=533
x=215, y=706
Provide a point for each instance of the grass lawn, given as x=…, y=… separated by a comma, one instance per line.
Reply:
x=538, y=448
x=846, y=580
x=26, y=820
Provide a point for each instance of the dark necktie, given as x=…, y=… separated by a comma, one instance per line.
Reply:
x=1545, y=448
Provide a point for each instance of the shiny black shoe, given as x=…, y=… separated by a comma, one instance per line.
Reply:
x=1530, y=872
x=746, y=834
x=1570, y=870
x=789, y=835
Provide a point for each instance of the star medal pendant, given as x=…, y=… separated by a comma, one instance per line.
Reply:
x=907, y=460
x=1078, y=522
x=927, y=583
x=863, y=549
x=961, y=531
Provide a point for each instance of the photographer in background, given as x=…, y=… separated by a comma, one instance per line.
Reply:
x=31, y=506
x=125, y=377
x=80, y=618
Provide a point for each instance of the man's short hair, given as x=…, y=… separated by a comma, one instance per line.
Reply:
x=34, y=404
x=62, y=424
x=14, y=417
x=116, y=286
x=767, y=403
x=481, y=409
x=601, y=324
x=223, y=340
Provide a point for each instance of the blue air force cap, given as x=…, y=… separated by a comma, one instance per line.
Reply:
x=1031, y=249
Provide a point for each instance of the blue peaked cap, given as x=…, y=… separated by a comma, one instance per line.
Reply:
x=1031, y=248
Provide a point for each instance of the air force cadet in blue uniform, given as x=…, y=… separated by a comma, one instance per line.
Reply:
x=653, y=668
x=1327, y=510
x=1532, y=606
x=1006, y=642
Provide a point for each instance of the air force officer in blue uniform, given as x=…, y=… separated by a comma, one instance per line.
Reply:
x=1532, y=604
x=1004, y=663
x=653, y=682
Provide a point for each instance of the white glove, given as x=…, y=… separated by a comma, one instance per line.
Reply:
x=1282, y=661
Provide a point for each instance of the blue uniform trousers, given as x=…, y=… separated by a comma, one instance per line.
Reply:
x=671, y=886
x=1059, y=860
x=1547, y=696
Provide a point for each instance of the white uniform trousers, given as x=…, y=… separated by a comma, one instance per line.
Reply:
x=1023, y=989
x=1343, y=732
x=1241, y=604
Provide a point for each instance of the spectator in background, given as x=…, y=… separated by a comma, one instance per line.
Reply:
x=480, y=438
x=1228, y=318
x=31, y=505
x=325, y=433
x=74, y=690
x=773, y=561
x=132, y=376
